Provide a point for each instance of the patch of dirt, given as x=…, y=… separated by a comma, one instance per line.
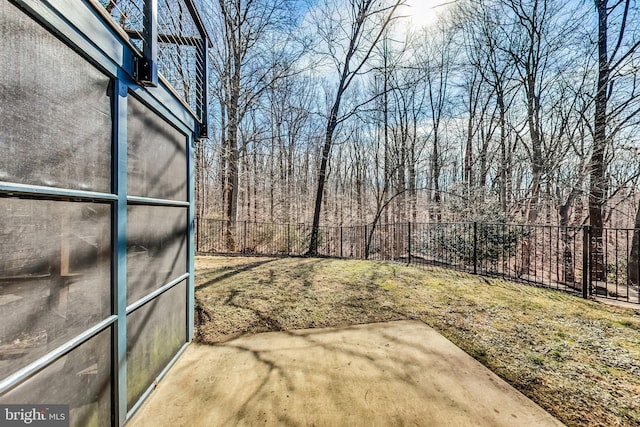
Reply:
x=580, y=360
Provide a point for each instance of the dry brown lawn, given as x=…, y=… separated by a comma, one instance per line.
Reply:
x=578, y=359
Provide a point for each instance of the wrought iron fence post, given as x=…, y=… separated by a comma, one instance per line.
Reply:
x=475, y=247
x=288, y=239
x=341, y=256
x=586, y=261
x=409, y=241
x=366, y=242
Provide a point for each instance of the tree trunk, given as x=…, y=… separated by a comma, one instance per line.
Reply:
x=232, y=180
x=332, y=123
x=505, y=169
x=435, y=170
x=468, y=157
x=597, y=184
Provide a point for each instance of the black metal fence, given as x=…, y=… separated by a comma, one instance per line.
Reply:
x=579, y=259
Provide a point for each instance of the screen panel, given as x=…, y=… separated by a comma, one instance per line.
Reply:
x=156, y=248
x=155, y=333
x=55, y=275
x=80, y=379
x=55, y=110
x=157, y=155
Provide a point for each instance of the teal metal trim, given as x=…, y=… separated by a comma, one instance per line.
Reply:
x=155, y=202
x=13, y=189
x=120, y=248
x=159, y=378
x=72, y=24
x=191, y=228
x=162, y=101
x=82, y=27
x=92, y=27
x=153, y=295
x=46, y=360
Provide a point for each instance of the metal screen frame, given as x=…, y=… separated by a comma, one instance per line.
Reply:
x=83, y=28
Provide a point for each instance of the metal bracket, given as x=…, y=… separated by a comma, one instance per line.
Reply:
x=144, y=72
x=145, y=69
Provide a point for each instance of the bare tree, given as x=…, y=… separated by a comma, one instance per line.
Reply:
x=505, y=108
x=437, y=61
x=611, y=64
x=242, y=65
x=486, y=52
x=363, y=28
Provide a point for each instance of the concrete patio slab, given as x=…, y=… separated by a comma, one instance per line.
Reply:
x=385, y=374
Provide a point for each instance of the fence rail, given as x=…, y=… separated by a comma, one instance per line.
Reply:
x=557, y=257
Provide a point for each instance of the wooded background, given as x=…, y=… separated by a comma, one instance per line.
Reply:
x=343, y=112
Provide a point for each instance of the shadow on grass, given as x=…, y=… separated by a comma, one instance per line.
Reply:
x=278, y=289
x=268, y=320
x=234, y=271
